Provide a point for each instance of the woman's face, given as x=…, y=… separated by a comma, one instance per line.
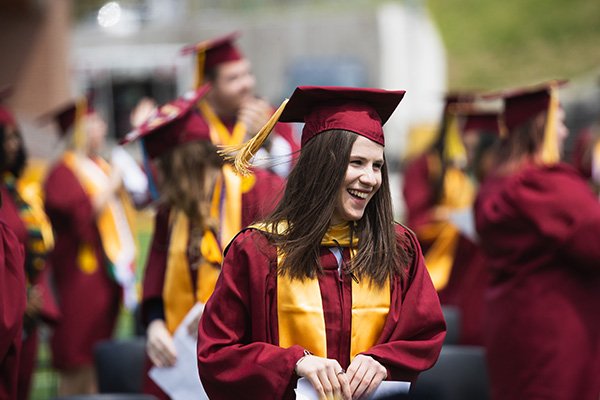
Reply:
x=562, y=132
x=362, y=180
x=12, y=144
x=96, y=132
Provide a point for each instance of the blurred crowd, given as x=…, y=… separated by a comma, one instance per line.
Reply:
x=508, y=228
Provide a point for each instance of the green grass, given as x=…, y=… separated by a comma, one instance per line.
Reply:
x=493, y=44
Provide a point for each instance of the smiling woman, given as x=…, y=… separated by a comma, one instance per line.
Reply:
x=362, y=180
x=327, y=286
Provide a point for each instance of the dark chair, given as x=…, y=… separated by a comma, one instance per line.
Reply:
x=108, y=396
x=459, y=374
x=120, y=365
x=452, y=317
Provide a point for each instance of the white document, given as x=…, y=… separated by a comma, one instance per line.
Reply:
x=464, y=221
x=134, y=178
x=387, y=389
x=181, y=381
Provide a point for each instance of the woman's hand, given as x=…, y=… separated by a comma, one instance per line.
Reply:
x=365, y=374
x=254, y=114
x=326, y=376
x=192, y=328
x=160, y=346
x=34, y=302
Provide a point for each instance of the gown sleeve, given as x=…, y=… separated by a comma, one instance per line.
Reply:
x=12, y=309
x=413, y=334
x=235, y=360
x=560, y=204
x=156, y=265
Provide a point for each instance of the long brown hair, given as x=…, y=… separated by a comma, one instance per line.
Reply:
x=183, y=179
x=522, y=143
x=308, y=204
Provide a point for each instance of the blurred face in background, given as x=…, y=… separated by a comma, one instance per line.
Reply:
x=232, y=85
x=96, y=132
x=562, y=132
x=12, y=144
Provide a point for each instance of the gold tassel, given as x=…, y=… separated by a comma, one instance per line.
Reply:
x=242, y=154
x=454, y=150
x=79, y=133
x=199, y=73
x=550, y=152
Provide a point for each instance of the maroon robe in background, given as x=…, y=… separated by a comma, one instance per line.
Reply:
x=9, y=213
x=418, y=192
x=540, y=228
x=89, y=302
x=12, y=307
x=238, y=352
x=260, y=200
x=469, y=273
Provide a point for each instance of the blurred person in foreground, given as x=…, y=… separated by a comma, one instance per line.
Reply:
x=232, y=110
x=23, y=210
x=93, y=261
x=197, y=209
x=327, y=287
x=539, y=224
x=13, y=300
x=438, y=186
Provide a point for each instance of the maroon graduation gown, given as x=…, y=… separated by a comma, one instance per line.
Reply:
x=256, y=203
x=9, y=213
x=238, y=352
x=89, y=302
x=469, y=273
x=541, y=230
x=12, y=308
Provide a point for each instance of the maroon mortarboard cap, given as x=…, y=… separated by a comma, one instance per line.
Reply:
x=216, y=51
x=172, y=124
x=523, y=104
x=483, y=122
x=359, y=110
x=6, y=117
x=458, y=97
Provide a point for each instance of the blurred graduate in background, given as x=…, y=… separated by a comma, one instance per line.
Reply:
x=439, y=190
x=232, y=110
x=13, y=297
x=199, y=211
x=539, y=224
x=93, y=261
x=23, y=210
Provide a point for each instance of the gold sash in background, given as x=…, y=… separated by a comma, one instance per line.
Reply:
x=459, y=192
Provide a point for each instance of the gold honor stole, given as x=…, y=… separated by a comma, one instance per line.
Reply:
x=300, y=307
x=234, y=185
x=219, y=134
x=29, y=199
x=458, y=193
x=114, y=224
x=178, y=294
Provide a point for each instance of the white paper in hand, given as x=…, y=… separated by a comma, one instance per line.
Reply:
x=386, y=390
x=181, y=381
x=464, y=221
